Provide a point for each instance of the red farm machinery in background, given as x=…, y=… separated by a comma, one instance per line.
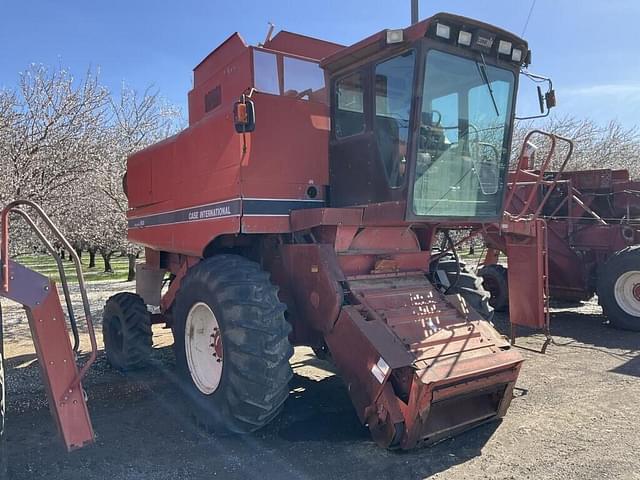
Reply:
x=301, y=207
x=591, y=220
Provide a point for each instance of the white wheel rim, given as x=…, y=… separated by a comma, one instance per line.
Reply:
x=203, y=347
x=627, y=292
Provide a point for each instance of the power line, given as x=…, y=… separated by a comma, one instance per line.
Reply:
x=526, y=24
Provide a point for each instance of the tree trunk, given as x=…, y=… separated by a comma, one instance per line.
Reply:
x=92, y=258
x=106, y=256
x=131, y=276
x=62, y=256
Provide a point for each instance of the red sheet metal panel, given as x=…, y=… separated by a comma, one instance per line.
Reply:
x=59, y=369
x=357, y=345
x=313, y=277
x=308, y=218
x=528, y=278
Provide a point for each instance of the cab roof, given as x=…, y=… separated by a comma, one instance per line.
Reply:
x=377, y=42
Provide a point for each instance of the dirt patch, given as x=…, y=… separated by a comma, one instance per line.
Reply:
x=575, y=416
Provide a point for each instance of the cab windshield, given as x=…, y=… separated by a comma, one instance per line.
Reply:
x=462, y=149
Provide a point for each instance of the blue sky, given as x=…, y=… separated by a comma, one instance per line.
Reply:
x=588, y=47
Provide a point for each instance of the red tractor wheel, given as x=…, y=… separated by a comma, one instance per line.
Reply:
x=231, y=344
x=619, y=289
x=494, y=280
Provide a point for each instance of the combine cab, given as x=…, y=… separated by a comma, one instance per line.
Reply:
x=301, y=207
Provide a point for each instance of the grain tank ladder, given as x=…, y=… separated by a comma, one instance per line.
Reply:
x=529, y=189
x=56, y=356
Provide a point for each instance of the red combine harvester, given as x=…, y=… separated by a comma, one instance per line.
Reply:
x=300, y=207
x=56, y=356
x=592, y=225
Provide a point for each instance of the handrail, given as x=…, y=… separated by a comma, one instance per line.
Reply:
x=542, y=170
x=4, y=252
x=63, y=276
x=558, y=174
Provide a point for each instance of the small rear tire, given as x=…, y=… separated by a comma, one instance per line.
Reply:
x=231, y=344
x=495, y=281
x=126, y=332
x=618, y=289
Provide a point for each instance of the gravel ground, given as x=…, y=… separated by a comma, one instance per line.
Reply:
x=575, y=416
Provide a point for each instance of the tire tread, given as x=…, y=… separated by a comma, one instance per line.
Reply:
x=255, y=338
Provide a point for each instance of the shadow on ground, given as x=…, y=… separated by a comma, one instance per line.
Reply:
x=576, y=329
x=144, y=430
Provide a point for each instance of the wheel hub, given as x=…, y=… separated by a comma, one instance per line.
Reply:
x=203, y=348
x=627, y=292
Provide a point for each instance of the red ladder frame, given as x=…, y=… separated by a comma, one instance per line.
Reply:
x=56, y=356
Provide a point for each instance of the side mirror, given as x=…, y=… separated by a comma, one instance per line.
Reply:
x=244, y=115
x=546, y=101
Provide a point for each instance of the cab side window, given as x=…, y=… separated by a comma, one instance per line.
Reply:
x=394, y=89
x=349, y=105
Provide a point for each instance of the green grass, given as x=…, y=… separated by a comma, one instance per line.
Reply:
x=46, y=265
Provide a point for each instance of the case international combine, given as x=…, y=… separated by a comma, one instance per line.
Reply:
x=301, y=207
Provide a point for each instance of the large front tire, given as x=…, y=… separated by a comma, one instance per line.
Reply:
x=454, y=277
x=495, y=281
x=619, y=289
x=231, y=344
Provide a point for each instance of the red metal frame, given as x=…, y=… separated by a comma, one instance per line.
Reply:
x=56, y=356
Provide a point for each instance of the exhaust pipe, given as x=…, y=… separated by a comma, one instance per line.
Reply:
x=414, y=11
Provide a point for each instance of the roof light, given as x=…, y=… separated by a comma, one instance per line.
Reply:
x=464, y=38
x=443, y=31
x=504, y=47
x=395, y=36
x=516, y=55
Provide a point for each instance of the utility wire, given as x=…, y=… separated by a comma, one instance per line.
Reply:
x=526, y=23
